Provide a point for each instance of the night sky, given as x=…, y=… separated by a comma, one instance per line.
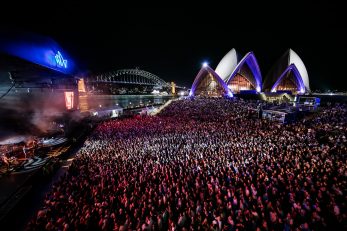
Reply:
x=173, y=41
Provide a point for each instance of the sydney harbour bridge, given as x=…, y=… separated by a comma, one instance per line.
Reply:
x=131, y=78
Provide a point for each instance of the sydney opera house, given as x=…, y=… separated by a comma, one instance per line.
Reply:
x=233, y=76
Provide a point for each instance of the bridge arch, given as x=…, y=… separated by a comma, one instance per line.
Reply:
x=129, y=76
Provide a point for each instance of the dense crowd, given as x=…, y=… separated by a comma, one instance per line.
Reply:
x=205, y=164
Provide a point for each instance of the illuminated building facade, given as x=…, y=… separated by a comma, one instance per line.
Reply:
x=208, y=84
x=39, y=69
x=246, y=75
x=288, y=74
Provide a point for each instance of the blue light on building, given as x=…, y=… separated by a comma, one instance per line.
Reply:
x=61, y=62
x=37, y=49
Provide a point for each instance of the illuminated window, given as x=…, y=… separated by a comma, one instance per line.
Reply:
x=240, y=83
x=69, y=98
x=81, y=86
x=288, y=83
x=209, y=86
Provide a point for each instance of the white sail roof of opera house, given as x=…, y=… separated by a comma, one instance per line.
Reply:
x=227, y=64
x=289, y=60
x=296, y=60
